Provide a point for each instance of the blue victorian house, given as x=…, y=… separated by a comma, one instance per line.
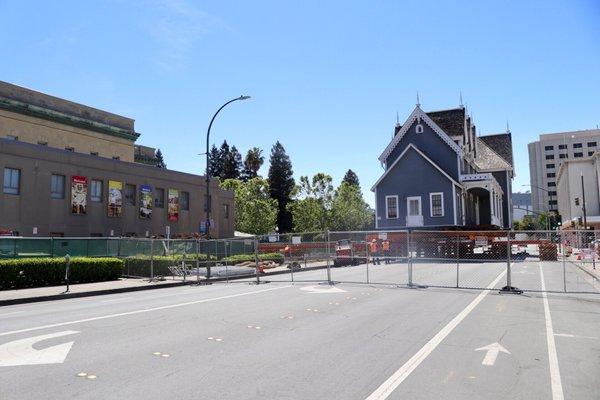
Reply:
x=439, y=174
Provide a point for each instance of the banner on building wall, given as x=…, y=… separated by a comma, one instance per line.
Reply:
x=115, y=198
x=79, y=187
x=173, y=204
x=146, y=201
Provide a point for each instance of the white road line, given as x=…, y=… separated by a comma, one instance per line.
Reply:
x=116, y=300
x=37, y=328
x=387, y=387
x=555, y=382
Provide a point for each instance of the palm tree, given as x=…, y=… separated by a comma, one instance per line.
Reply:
x=252, y=163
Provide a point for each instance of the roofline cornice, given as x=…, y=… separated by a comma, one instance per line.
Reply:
x=55, y=116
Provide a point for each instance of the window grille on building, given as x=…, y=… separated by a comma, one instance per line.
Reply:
x=96, y=191
x=57, y=187
x=12, y=180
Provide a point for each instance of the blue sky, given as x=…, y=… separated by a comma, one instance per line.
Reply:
x=327, y=78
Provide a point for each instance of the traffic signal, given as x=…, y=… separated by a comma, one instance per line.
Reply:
x=576, y=201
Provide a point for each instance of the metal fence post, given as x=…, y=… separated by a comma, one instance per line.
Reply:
x=328, y=260
x=409, y=258
x=564, y=263
x=198, y=260
x=151, y=260
x=508, y=254
x=67, y=267
x=457, y=258
x=256, y=259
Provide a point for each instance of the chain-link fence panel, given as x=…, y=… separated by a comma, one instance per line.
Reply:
x=435, y=258
x=580, y=253
x=348, y=257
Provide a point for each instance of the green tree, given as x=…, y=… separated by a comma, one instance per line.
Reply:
x=310, y=210
x=351, y=178
x=216, y=162
x=255, y=210
x=160, y=161
x=281, y=185
x=349, y=211
x=231, y=161
x=252, y=163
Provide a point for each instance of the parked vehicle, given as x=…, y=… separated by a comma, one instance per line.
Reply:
x=348, y=253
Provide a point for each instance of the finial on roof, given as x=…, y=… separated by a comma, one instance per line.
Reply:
x=507, y=127
x=461, y=101
x=397, y=119
x=418, y=102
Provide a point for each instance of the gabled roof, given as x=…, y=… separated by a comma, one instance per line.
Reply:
x=487, y=159
x=501, y=143
x=418, y=114
x=419, y=152
x=451, y=121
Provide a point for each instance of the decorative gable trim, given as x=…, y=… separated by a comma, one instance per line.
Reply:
x=419, y=115
x=419, y=152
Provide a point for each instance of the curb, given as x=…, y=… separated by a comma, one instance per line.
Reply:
x=63, y=296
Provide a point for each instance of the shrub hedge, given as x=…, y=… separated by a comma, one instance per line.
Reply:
x=35, y=272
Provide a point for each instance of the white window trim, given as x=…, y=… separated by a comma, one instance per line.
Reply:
x=431, y=204
x=408, y=199
x=387, y=214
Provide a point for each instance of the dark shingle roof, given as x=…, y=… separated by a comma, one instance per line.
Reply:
x=501, y=143
x=451, y=121
x=487, y=159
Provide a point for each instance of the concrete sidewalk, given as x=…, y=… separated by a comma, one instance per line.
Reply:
x=19, y=296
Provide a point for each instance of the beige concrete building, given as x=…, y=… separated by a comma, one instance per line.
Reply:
x=73, y=170
x=574, y=178
x=545, y=158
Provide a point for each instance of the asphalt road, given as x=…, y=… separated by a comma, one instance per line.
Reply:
x=307, y=341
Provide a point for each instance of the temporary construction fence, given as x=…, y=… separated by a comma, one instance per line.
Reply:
x=557, y=261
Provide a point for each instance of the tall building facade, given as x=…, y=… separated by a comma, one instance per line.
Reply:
x=578, y=189
x=73, y=170
x=547, y=155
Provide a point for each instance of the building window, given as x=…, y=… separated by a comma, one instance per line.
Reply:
x=551, y=184
x=57, y=187
x=577, y=145
x=12, y=181
x=549, y=148
x=69, y=148
x=419, y=128
x=93, y=153
x=552, y=202
x=590, y=153
x=549, y=166
x=562, y=156
x=184, y=201
x=549, y=156
x=96, y=191
x=226, y=211
x=591, y=144
x=43, y=143
x=551, y=175
x=577, y=155
x=562, y=146
x=551, y=193
x=391, y=207
x=159, y=198
x=436, y=202
x=130, y=195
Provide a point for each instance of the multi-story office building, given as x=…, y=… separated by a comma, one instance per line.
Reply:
x=72, y=170
x=545, y=158
x=578, y=187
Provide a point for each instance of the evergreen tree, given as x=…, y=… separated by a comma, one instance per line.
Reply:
x=160, y=161
x=351, y=178
x=349, y=211
x=281, y=185
x=216, y=162
x=232, y=162
x=252, y=163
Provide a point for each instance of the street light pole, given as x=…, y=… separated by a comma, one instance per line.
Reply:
x=208, y=202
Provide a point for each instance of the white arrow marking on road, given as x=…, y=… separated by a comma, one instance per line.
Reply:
x=492, y=353
x=319, y=289
x=21, y=352
x=568, y=335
